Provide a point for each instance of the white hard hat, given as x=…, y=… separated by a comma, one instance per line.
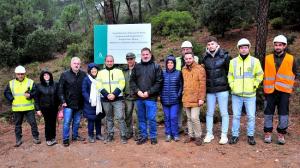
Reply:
x=186, y=44
x=280, y=39
x=243, y=42
x=20, y=69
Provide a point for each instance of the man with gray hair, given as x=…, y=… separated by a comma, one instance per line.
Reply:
x=70, y=94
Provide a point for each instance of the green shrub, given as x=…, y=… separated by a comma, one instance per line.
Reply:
x=198, y=49
x=8, y=55
x=277, y=23
x=173, y=23
x=291, y=39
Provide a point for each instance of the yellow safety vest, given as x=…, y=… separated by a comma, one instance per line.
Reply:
x=244, y=76
x=18, y=89
x=110, y=80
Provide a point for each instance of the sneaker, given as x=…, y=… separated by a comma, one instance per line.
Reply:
x=136, y=138
x=189, y=139
x=18, y=143
x=153, y=141
x=223, y=140
x=198, y=141
x=91, y=139
x=233, y=140
x=251, y=140
x=176, y=139
x=208, y=138
x=66, y=143
x=268, y=137
x=280, y=139
x=141, y=141
x=36, y=140
x=129, y=136
x=123, y=140
x=78, y=138
x=109, y=138
x=51, y=142
x=100, y=137
x=168, y=138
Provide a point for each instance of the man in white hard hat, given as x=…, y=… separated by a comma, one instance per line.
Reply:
x=186, y=47
x=244, y=76
x=20, y=93
x=280, y=72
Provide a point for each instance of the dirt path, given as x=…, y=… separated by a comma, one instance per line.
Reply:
x=83, y=154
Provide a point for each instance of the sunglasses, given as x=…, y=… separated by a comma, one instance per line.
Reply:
x=129, y=58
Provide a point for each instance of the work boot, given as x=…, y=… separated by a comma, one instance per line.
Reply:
x=251, y=140
x=198, y=141
x=268, y=137
x=189, y=139
x=233, y=140
x=280, y=139
x=66, y=143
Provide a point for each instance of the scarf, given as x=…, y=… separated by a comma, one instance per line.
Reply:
x=95, y=96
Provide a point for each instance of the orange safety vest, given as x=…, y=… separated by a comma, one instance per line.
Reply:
x=282, y=80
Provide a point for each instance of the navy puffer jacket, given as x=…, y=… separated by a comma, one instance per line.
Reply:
x=88, y=111
x=172, y=84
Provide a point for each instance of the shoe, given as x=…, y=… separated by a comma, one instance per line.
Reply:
x=233, y=140
x=109, y=138
x=123, y=140
x=223, y=140
x=66, y=143
x=280, y=139
x=198, y=141
x=176, y=139
x=168, y=138
x=51, y=142
x=251, y=140
x=268, y=137
x=100, y=137
x=91, y=139
x=129, y=136
x=36, y=140
x=208, y=138
x=137, y=137
x=19, y=143
x=78, y=138
x=153, y=141
x=141, y=141
x=188, y=139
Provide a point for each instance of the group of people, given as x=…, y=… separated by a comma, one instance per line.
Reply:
x=186, y=84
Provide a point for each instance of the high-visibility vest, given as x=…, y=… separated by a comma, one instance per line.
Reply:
x=282, y=80
x=244, y=76
x=110, y=80
x=18, y=89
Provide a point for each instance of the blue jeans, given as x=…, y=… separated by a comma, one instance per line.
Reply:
x=69, y=115
x=222, y=98
x=147, y=116
x=171, y=119
x=250, y=106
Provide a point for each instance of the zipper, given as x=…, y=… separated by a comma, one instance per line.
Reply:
x=169, y=86
x=243, y=79
x=109, y=81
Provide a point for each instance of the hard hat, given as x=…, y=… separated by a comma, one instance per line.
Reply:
x=243, y=42
x=280, y=39
x=20, y=69
x=186, y=44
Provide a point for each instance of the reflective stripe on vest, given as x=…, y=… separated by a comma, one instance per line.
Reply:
x=245, y=74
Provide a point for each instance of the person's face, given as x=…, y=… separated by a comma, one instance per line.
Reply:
x=130, y=62
x=20, y=76
x=146, y=56
x=109, y=62
x=189, y=59
x=212, y=46
x=186, y=50
x=170, y=65
x=75, y=65
x=46, y=76
x=279, y=47
x=94, y=71
x=244, y=50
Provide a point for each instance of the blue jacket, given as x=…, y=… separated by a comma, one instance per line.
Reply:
x=172, y=85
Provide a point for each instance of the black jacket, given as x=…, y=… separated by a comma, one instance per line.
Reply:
x=146, y=76
x=70, y=88
x=216, y=71
x=46, y=94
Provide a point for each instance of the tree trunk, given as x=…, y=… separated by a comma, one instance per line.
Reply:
x=140, y=11
x=130, y=13
x=117, y=11
x=109, y=12
x=262, y=29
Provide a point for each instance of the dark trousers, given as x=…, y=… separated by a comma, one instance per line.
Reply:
x=281, y=100
x=94, y=124
x=18, y=120
x=50, y=115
